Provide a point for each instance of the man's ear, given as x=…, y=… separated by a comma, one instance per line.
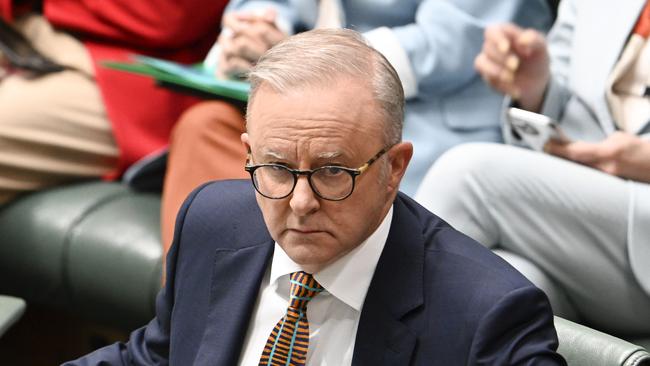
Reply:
x=245, y=140
x=399, y=157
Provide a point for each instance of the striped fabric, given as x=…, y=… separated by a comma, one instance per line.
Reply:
x=287, y=345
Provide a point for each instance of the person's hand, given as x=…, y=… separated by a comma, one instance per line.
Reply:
x=515, y=61
x=245, y=38
x=621, y=154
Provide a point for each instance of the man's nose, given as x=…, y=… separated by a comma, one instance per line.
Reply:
x=303, y=199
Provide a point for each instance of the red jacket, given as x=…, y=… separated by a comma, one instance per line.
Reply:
x=142, y=114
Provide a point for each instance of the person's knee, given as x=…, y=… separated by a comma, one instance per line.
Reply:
x=193, y=123
x=457, y=171
x=466, y=159
x=205, y=119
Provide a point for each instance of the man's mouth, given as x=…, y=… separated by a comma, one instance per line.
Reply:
x=305, y=230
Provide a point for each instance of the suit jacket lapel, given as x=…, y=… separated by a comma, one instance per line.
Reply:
x=396, y=289
x=232, y=299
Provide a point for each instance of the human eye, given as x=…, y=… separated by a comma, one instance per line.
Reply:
x=274, y=173
x=332, y=171
x=277, y=167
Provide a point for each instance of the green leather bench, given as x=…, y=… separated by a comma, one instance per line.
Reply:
x=92, y=248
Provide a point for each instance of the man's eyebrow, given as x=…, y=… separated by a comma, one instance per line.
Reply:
x=329, y=155
x=322, y=156
x=273, y=154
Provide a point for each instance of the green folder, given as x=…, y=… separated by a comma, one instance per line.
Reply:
x=194, y=79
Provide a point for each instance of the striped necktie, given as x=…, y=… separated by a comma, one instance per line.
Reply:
x=289, y=340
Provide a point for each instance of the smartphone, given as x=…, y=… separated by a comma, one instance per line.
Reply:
x=535, y=129
x=20, y=53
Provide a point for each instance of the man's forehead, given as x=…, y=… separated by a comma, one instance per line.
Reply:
x=332, y=120
x=355, y=96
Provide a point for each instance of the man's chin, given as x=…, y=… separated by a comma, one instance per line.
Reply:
x=309, y=254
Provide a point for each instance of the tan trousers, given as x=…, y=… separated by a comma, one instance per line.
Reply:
x=53, y=128
x=205, y=145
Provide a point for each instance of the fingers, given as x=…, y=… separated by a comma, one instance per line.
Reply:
x=508, y=59
x=238, y=17
x=231, y=62
x=529, y=42
x=259, y=26
x=496, y=74
x=514, y=61
x=498, y=62
x=237, y=21
x=243, y=46
x=586, y=153
x=269, y=15
x=599, y=156
x=504, y=35
x=266, y=32
x=556, y=148
x=233, y=68
x=620, y=154
x=501, y=37
x=245, y=38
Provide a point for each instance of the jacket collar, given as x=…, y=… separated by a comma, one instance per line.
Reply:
x=396, y=290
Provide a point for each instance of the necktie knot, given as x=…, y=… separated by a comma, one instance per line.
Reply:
x=303, y=288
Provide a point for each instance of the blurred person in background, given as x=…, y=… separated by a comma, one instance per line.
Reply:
x=580, y=212
x=88, y=121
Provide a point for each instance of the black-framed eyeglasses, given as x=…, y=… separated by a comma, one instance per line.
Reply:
x=329, y=182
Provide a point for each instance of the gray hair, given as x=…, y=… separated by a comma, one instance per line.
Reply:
x=319, y=57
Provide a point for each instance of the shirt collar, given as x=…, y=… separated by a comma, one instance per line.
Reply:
x=348, y=278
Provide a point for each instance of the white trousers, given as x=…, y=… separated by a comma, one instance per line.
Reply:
x=568, y=220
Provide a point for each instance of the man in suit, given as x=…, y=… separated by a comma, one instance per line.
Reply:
x=320, y=260
x=579, y=213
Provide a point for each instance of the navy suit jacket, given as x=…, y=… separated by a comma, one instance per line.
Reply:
x=437, y=297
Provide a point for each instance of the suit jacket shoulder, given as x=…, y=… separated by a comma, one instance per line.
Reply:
x=440, y=298
x=442, y=241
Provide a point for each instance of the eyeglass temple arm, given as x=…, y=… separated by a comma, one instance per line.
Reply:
x=365, y=166
x=249, y=158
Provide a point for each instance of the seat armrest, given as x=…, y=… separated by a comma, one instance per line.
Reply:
x=583, y=346
x=148, y=173
x=11, y=309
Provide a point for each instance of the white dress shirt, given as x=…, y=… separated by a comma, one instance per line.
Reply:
x=333, y=314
